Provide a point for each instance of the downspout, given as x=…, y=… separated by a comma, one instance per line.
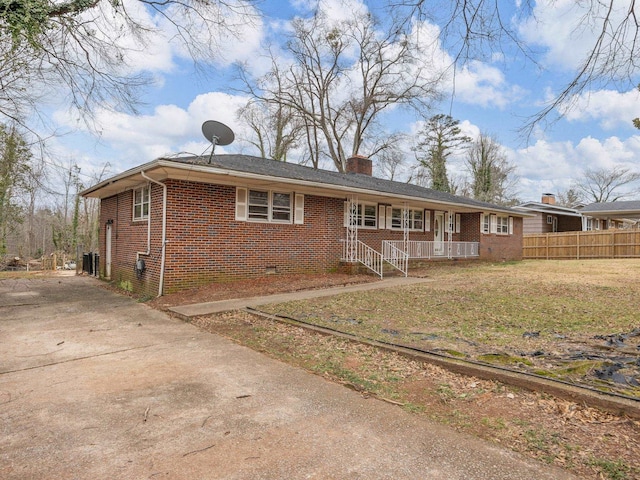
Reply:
x=164, y=231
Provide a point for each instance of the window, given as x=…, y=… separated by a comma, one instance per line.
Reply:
x=366, y=215
x=267, y=206
x=486, y=223
x=502, y=225
x=589, y=225
x=496, y=224
x=281, y=207
x=415, y=219
x=141, y=203
x=549, y=219
x=258, y=205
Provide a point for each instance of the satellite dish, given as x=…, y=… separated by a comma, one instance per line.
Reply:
x=217, y=133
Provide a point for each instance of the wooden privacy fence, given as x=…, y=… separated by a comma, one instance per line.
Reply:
x=582, y=245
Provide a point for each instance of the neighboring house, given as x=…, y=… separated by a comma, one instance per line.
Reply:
x=606, y=215
x=176, y=223
x=549, y=217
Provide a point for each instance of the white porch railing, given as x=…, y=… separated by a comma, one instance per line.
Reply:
x=393, y=252
x=395, y=256
x=419, y=249
x=366, y=255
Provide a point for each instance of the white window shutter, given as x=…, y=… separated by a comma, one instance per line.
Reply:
x=510, y=225
x=241, y=203
x=381, y=216
x=389, y=216
x=457, y=223
x=427, y=220
x=346, y=214
x=298, y=218
x=493, y=219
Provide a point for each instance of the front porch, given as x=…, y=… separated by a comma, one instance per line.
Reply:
x=397, y=253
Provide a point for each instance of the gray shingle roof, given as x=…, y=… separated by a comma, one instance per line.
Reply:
x=621, y=207
x=273, y=168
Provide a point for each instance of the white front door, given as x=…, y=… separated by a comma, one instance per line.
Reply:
x=107, y=253
x=438, y=233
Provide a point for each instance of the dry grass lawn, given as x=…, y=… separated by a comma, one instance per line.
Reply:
x=565, y=319
x=578, y=321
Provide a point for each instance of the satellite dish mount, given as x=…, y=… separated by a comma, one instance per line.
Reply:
x=218, y=134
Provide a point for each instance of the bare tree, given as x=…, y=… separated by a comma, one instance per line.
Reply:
x=15, y=159
x=476, y=29
x=439, y=138
x=276, y=129
x=83, y=47
x=605, y=185
x=636, y=121
x=341, y=78
x=492, y=176
x=569, y=198
x=389, y=162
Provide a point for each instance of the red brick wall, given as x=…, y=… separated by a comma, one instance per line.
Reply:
x=129, y=237
x=501, y=247
x=205, y=243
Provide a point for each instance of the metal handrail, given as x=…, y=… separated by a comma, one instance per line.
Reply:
x=369, y=257
x=397, y=257
x=427, y=249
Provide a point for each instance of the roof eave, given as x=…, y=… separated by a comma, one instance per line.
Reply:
x=212, y=170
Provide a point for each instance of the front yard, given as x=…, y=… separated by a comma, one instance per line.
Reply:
x=574, y=320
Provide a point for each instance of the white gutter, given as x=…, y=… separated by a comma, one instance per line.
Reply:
x=164, y=230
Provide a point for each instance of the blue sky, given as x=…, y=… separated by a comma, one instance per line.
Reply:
x=493, y=97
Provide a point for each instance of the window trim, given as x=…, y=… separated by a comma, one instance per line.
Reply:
x=142, y=217
x=295, y=209
x=502, y=225
x=361, y=207
x=490, y=221
x=485, y=223
x=412, y=220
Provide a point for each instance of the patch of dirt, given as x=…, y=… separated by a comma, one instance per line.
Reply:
x=267, y=285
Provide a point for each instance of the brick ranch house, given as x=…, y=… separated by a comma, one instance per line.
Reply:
x=177, y=223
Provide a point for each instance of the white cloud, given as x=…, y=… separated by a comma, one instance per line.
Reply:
x=144, y=49
x=342, y=10
x=567, y=29
x=485, y=85
x=167, y=130
x=554, y=166
x=610, y=108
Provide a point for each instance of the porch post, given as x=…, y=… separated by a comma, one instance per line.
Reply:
x=450, y=220
x=351, y=247
x=405, y=227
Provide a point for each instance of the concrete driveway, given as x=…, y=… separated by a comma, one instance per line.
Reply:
x=96, y=386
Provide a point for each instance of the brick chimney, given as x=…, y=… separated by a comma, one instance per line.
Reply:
x=548, y=198
x=360, y=164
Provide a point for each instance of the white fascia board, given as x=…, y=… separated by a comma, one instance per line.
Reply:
x=121, y=176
